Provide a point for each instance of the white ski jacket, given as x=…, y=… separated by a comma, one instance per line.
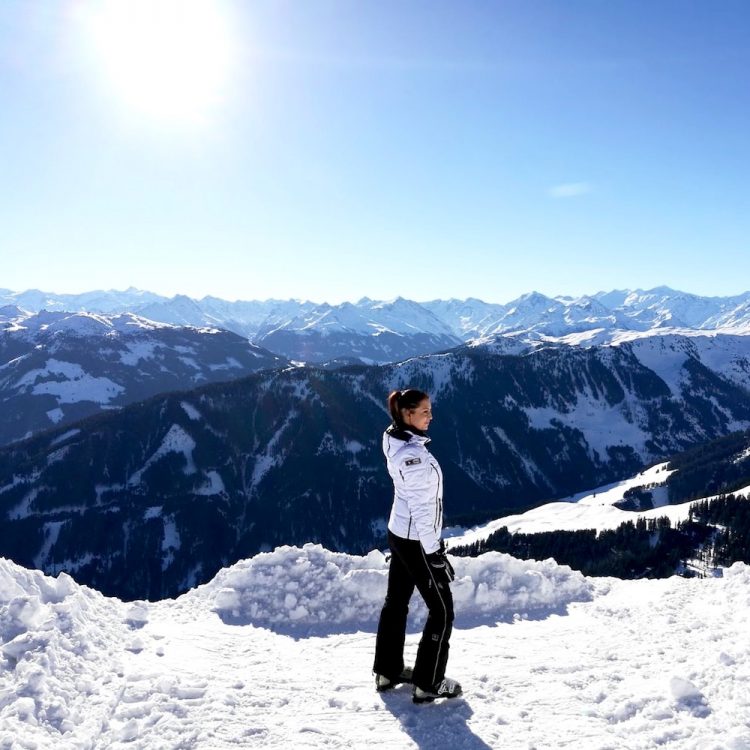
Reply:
x=417, y=511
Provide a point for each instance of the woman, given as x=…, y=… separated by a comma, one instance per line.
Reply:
x=417, y=555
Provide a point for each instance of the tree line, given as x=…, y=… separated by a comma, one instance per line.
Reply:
x=719, y=530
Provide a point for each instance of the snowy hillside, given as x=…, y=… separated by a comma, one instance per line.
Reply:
x=276, y=652
x=368, y=332
x=59, y=367
x=593, y=509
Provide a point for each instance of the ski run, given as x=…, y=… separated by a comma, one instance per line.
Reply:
x=276, y=652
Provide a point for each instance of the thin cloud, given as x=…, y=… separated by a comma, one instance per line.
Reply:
x=570, y=189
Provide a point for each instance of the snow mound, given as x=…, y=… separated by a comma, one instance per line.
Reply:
x=310, y=589
x=504, y=587
x=55, y=655
x=738, y=584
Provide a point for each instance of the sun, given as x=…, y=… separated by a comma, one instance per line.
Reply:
x=169, y=60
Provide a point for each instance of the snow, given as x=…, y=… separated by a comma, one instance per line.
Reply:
x=138, y=350
x=276, y=652
x=51, y=534
x=229, y=364
x=55, y=415
x=57, y=455
x=175, y=441
x=29, y=479
x=666, y=350
x=190, y=362
x=613, y=493
x=23, y=508
x=271, y=457
x=601, y=424
x=190, y=410
x=345, y=592
x=77, y=385
x=214, y=485
x=665, y=355
x=367, y=318
x=171, y=541
x=531, y=315
x=592, y=509
x=65, y=436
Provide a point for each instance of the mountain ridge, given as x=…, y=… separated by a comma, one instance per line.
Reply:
x=58, y=367
x=465, y=319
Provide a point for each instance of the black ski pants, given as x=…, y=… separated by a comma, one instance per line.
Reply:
x=409, y=569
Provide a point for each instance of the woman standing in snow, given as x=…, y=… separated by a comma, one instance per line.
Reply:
x=417, y=555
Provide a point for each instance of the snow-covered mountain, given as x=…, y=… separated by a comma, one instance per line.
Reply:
x=536, y=313
x=58, y=367
x=276, y=652
x=111, y=301
x=369, y=331
x=389, y=331
x=663, y=306
x=277, y=458
x=468, y=319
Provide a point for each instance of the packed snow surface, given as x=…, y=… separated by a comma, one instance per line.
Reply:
x=276, y=652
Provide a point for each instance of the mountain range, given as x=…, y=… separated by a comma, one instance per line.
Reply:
x=379, y=332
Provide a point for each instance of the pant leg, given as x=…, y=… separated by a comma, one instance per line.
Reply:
x=434, y=587
x=432, y=655
x=389, y=645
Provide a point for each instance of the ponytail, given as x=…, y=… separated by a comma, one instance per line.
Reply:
x=400, y=400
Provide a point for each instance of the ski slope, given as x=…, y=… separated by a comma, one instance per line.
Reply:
x=593, y=509
x=276, y=652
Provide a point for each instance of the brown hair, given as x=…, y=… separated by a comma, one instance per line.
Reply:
x=408, y=399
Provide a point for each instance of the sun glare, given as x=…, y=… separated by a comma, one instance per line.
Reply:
x=166, y=59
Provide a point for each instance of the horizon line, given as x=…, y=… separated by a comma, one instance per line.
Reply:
x=298, y=300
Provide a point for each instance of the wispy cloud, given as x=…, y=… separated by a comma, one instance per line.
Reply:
x=570, y=189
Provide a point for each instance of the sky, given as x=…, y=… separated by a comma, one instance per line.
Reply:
x=330, y=150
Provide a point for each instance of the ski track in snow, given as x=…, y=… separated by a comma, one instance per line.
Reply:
x=632, y=664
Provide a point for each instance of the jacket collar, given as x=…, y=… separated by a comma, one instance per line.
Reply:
x=408, y=435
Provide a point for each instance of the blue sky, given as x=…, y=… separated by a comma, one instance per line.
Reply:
x=351, y=148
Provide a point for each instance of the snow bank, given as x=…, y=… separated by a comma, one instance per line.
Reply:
x=55, y=655
x=737, y=582
x=310, y=589
x=495, y=586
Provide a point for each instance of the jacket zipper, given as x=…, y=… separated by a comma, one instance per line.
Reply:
x=438, y=501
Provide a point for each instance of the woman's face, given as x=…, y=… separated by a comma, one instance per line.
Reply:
x=419, y=417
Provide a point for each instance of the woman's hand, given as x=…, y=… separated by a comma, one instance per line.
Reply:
x=440, y=564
